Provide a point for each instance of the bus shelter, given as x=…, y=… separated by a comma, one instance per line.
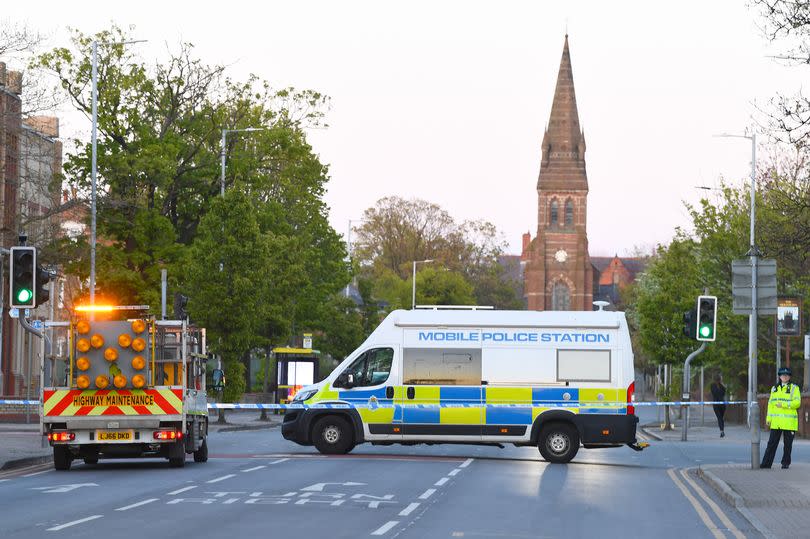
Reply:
x=295, y=368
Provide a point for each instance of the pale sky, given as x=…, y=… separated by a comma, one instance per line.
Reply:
x=447, y=101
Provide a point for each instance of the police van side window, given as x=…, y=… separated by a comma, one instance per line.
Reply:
x=372, y=367
x=433, y=366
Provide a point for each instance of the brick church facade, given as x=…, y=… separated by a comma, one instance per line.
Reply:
x=558, y=271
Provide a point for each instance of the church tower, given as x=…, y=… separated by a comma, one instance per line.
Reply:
x=558, y=273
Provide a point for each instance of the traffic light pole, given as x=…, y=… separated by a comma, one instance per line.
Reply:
x=752, y=322
x=687, y=378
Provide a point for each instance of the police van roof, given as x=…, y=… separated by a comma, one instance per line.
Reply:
x=492, y=318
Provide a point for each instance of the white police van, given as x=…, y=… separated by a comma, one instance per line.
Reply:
x=553, y=379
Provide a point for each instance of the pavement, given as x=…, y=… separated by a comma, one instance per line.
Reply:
x=256, y=482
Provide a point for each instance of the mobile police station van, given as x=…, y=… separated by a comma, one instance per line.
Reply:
x=550, y=379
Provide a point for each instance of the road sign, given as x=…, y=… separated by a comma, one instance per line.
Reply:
x=14, y=313
x=741, y=286
x=37, y=324
x=789, y=317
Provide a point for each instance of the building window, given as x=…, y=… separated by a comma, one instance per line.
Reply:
x=560, y=297
x=569, y=213
x=554, y=212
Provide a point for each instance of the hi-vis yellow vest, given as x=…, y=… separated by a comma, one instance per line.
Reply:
x=786, y=417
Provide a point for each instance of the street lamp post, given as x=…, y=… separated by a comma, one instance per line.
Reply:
x=753, y=406
x=349, y=245
x=93, y=167
x=413, y=289
x=222, y=153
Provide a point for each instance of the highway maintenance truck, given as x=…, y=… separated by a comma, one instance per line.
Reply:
x=126, y=389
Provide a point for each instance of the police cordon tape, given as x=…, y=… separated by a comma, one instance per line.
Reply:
x=374, y=404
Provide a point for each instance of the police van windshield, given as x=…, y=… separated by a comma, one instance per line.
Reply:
x=372, y=367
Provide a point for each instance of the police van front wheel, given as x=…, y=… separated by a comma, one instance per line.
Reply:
x=332, y=435
x=559, y=442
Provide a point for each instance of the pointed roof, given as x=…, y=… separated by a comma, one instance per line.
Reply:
x=563, y=125
x=564, y=140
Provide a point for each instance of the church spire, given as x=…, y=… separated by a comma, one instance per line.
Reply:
x=564, y=140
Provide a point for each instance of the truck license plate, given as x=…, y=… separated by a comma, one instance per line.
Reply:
x=114, y=435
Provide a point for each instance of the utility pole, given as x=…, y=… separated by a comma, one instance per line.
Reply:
x=413, y=288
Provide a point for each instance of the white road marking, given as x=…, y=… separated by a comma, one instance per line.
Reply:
x=1, y=480
x=223, y=478
x=382, y=530
x=427, y=494
x=254, y=469
x=466, y=463
x=279, y=461
x=36, y=473
x=717, y=511
x=441, y=481
x=408, y=510
x=454, y=472
x=134, y=505
x=184, y=489
x=69, y=524
x=696, y=505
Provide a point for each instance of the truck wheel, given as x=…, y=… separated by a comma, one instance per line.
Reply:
x=201, y=455
x=177, y=455
x=332, y=435
x=61, y=457
x=559, y=442
x=91, y=460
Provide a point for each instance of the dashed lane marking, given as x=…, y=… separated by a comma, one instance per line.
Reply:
x=223, y=478
x=696, y=505
x=254, y=469
x=717, y=511
x=466, y=463
x=441, y=481
x=454, y=472
x=410, y=509
x=184, y=489
x=134, y=505
x=427, y=494
x=75, y=522
x=385, y=528
x=279, y=461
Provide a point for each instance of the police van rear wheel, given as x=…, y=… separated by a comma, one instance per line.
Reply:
x=559, y=442
x=332, y=435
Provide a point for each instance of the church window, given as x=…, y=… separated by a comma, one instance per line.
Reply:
x=554, y=211
x=569, y=213
x=560, y=297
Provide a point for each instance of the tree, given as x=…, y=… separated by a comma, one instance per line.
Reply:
x=395, y=232
x=788, y=21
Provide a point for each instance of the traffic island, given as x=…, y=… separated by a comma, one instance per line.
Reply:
x=775, y=501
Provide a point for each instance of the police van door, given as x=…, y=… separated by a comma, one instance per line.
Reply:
x=368, y=383
x=443, y=395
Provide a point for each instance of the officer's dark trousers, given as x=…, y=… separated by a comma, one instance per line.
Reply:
x=720, y=411
x=773, y=442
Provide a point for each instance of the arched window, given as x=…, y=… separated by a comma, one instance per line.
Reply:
x=560, y=297
x=554, y=212
x=569, y=213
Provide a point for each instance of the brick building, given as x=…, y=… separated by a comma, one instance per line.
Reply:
x=558, y=271
x=30, y=175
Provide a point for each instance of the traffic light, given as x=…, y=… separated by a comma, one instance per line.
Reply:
x=42, y=293
x=707, y=318
x=690, y=324
x=22, y=277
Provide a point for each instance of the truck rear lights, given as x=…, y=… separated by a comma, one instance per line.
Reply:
x=83, y=381
x=61, y=436
x=138, y=381
x=167, y=435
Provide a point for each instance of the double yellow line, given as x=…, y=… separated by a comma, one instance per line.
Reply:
x=704, y=516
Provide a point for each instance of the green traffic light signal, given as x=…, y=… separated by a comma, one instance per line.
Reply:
x=705, y=331
x=24, y=295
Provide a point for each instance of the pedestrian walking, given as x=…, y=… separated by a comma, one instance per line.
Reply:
x=719, y=395
x=783, y=418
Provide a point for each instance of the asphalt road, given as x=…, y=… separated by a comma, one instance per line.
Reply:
x=258, y=485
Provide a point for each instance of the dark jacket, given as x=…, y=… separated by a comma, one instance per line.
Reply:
x=718, y=392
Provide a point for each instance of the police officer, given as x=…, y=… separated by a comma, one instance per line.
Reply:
x=783, y=418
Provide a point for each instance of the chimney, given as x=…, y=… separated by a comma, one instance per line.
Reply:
x=2, y=73
x=14, y=82
x=44, y=125
x=527, y=239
